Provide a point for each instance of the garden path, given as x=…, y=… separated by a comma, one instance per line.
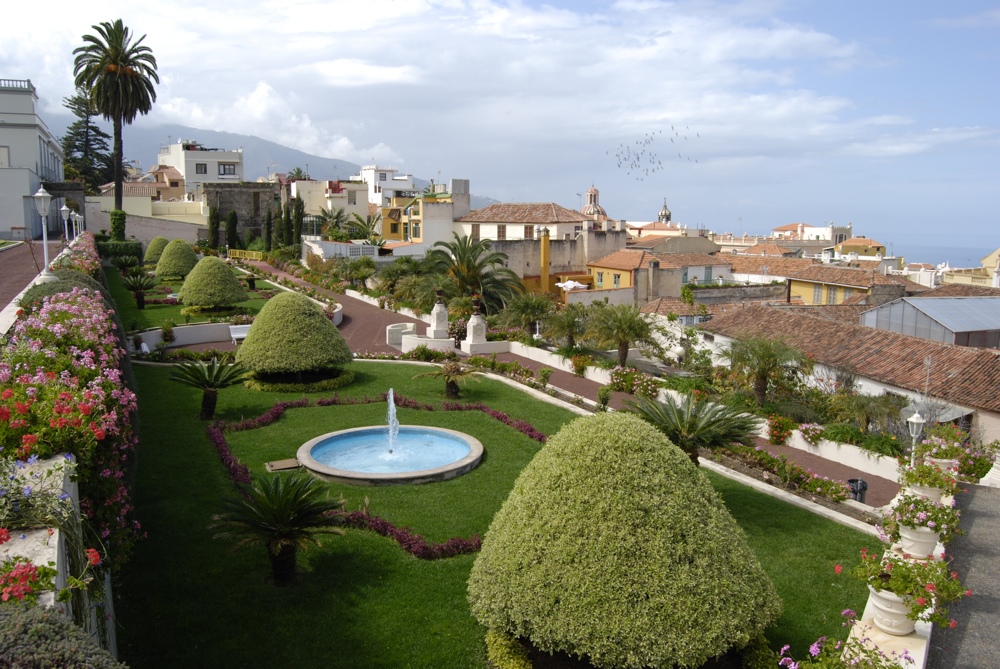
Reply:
x=17, y=270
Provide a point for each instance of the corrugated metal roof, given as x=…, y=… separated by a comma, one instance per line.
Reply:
x=960, y=314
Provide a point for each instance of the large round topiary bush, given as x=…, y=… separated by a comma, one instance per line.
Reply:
x=211, y=284
x=292, y=340
x=154, y=250
x=36, y=636
x=613, y=547
x=177, y=259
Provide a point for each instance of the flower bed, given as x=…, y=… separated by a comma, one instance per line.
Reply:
x=780, y=472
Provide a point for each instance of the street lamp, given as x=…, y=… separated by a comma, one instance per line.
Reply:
x=78, y=224
x=64, y=210
x=915, y=424
x=42, y=202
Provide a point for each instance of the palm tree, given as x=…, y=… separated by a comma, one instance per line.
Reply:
x=866, y=409
x=454, y=374
x=119, y=73
x=694, y=423
x=139, y=285
x=620, y=326
x=369, y=227
x=525, y=310
x=567, y=324
x=472, y=269
x=332, y=220
x=296, y=174
x=764, y=362
x=282, y=514
x=419, y=290
x=210, y=378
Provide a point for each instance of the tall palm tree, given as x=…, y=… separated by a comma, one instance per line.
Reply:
x=526, y=309
x=620, y=326
x=119, y=73
x=696, y=423
x=297, y=174
x=332, y=220
x=282, y=514
x=210, y=378
x=472, y=269
x=567, y=325
x=454, y=374
x=368, y=227
x=765, y=362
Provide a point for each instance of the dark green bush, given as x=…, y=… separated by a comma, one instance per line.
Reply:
x=155, y=249
x=505, y=652
x=685, y=384
x=883, y=444
x=424, y=354
x=612, y=546
x=118, y=225
x=35, y=637
x=114, y=249
x=211, y=284
x=843, y=433
x=177, y=259
x=68, y=280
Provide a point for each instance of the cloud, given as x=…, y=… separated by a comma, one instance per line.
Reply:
x=988, y=19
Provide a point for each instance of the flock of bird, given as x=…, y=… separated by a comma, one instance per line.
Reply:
x=638, y=158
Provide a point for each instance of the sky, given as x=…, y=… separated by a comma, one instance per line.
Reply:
x=749, y=114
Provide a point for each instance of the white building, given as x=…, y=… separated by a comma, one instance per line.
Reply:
x=200, y=165
x=29, y=155
x=384, y=184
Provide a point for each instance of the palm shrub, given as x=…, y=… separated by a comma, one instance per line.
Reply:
x=211, y=285
x=566, y=325
x=210, y=378
x=290, y=337
x=621, y=326
x=613, y=547
x=866, y=410
x=124, y=263
x=154, y=250
x=177, y=259
x=693, y=423
x=139, y=285
x=454, y=374
x=766, y=364
x=281, y=514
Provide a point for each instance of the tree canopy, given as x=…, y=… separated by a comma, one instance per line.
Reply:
x=473, y=269
x=85, y=145
x=177, y=259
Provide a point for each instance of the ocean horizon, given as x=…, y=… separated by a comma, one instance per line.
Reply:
x=955, y=256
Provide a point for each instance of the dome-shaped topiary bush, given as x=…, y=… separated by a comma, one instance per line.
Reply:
x=612, y=546
x=155, y=249
x=211, y=284
x=36, y=636
x=292, y=337
x=177, y=259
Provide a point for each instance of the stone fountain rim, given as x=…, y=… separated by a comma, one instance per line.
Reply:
x=443, y=473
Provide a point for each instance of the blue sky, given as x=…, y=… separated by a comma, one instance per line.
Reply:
x=883, y=114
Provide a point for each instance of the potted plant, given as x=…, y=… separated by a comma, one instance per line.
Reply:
x=856, y=651
x=918, y=524
x=905, y=590
x=929, y=481
x=940, y=452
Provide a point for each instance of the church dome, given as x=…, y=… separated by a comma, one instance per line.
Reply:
x=593, y=207
x=664, y=216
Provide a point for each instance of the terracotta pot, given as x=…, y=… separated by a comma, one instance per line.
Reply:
x=890, y=612
x=919, y=542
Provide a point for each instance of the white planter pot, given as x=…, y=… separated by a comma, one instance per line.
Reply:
x=919, y=542
x=890, y=612
x=943, y=465
x=933, y=494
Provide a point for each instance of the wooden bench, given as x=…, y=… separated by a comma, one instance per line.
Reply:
x=238, y=332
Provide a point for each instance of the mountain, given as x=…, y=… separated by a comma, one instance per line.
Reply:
x=260, y=156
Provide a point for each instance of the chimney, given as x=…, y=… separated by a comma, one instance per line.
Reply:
x=544, y=260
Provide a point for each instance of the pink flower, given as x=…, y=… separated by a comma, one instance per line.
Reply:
x=93, y=557
x=838, y=568
x=930, y=587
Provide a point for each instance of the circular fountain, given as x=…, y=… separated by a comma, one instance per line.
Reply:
x=390, y=454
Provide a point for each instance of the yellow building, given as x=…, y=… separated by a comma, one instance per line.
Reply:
x=862, y=246
x=825, y=284
x=987, y=276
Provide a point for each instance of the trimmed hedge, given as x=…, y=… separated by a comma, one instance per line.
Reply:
x=32, y=637
x=177, y=259
x=292, y=335
x=504, y=652
x=117, y=218
x=211, y=284
x=68, y=280
x=114, y=249
x=612, y=546
x=343, y=379
x=155, y=249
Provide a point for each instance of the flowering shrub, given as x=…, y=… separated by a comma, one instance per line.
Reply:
x=939, y=448
x=916, y=511
x=926, y=585
x=928, y=476
x=779, y=429
x=82, y=256
x=977, y=460
x=857, y=651
x=580, y=363
x=412, y=543
x=22, y=581
x=622, y=379
x=629, y=380
x=788, y=473
x=811, y=432
x=458, y=329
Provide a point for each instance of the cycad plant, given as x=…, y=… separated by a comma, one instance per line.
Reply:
x=210, y=378
x=124, y=263
x=139, y=285
x=281, y=514
x=694, y=423
x=454, y=374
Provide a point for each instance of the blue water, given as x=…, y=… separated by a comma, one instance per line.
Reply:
x=955, y=256
x=367, y=451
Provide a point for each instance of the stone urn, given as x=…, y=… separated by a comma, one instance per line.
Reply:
x=933, y=494
x=918, y=542
x=891, y=612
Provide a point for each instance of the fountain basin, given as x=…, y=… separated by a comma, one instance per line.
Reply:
x=361, y=456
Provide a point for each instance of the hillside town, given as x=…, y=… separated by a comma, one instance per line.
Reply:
x=130, y=293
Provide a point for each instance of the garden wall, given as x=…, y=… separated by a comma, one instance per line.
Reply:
x=848, y=455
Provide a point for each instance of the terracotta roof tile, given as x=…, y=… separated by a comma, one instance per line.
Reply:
x=776, y=267
x=534, y=213
x=846, y=276
x=665, y=306
x=679, y=260
x=766, y=250
x=959, y=374
x=962, y=290
x=624, y=260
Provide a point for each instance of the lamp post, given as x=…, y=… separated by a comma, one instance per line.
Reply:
x=64, y=210
x=42, y=202
x=915, y=424
x=78, y=224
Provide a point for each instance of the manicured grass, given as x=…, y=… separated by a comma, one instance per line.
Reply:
x=154, y=315
x=185, y=600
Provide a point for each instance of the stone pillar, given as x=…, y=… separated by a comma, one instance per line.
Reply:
x=544, y=261
x=476, y=330
x=439, y=320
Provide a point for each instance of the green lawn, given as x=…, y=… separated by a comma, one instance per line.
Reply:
x=154, y=315
x=185, y=600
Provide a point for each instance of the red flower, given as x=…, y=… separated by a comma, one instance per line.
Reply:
x=93, y=557
x=838, y=568
x=930, y=587
x=4, y=414
x=4, y=535
x=84, y=409
x=99, y=433
x=29, y=440
x=921, y=601
x=6, y=394
x=968, y=593
x=953, y=624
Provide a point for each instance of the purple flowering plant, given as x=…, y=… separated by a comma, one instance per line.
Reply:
x=916, y=511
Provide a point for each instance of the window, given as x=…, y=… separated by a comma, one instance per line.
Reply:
x=684, y=275
x=352, y=197
x=394, y=228
x=600, y=279
x=381, y=176
x=529, y=232
x=475, y=232
x=848, y=292
x=501, y=232
x=831, y=294
x=227, y=169
x=817, y=294
x=708, y=274
x=175, y=184
x=616, y=279
x=201, y=168
x=416, y=230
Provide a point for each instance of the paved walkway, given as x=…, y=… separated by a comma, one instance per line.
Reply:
x=18, y=270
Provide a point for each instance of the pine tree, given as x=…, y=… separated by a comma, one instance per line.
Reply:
x=268, y=223
x=297, y=217
x=279, y=229
x=85, y=145
x=232, y=239
x=214, y=220
x=287, y=223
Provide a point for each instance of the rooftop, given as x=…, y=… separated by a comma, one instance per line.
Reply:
x=534, y=213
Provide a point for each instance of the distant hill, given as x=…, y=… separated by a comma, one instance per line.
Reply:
x=260, y=156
